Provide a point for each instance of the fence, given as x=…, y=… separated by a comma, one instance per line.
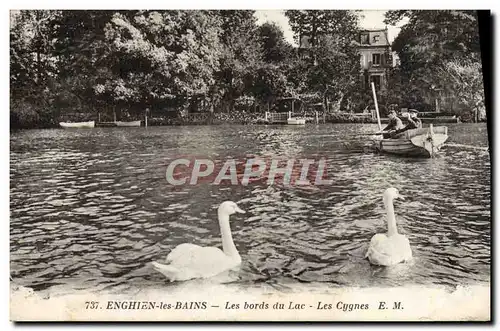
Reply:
x=283, y=117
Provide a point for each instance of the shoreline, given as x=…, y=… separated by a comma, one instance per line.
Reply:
x=246, y=119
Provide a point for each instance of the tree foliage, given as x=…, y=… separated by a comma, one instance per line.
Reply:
x=435, y=49
x=99, y=61
x=332, y=66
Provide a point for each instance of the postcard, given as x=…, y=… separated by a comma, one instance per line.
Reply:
x=249, y=165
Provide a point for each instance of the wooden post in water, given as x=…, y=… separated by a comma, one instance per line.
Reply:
x=376, y=106
x=114, y=113
x=317, y=119
x=99, y=117
x=265, y=116
x=146, y=118
x=289, y=114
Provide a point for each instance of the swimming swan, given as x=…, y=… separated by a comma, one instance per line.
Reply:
x=188, y=261
x=391, y=248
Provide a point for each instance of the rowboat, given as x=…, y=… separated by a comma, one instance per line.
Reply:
x=89, y=124
x=296, y=121
x=131, y=123
x=423, y=142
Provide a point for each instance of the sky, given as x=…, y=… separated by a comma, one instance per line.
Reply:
x=372, y=19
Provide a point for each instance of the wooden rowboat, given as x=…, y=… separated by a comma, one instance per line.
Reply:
x=131, y=123
x=89, y=124
x=424, y=142
x=296, y=121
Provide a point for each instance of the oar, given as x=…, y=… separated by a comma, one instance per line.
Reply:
x=376, y=106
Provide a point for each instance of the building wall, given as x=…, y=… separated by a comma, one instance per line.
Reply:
x=366, y=57
x=374, y=42
x=370, y=42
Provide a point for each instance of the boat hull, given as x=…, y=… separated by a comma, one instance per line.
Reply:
x=296, y=121
x=424, y=142
x=128, y=124
x=68, y=125
x=401, y=147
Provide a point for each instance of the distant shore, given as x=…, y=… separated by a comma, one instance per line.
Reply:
x=241, y=118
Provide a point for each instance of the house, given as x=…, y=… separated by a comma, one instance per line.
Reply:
x=375, y=57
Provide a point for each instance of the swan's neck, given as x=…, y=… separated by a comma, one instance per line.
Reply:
x=391, y=217
x=227, y=238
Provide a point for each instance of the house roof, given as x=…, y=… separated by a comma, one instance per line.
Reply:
x=374, y=30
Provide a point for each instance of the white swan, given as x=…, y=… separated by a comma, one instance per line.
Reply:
x=188, y=261
x=391, y=248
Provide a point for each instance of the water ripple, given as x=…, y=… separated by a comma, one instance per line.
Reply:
x=92, y=207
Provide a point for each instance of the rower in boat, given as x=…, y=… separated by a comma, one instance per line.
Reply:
x=395, y=123
x=413, y=123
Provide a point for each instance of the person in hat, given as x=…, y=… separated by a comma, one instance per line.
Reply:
x=413, y=122
x=414, y=118
x=394, y=125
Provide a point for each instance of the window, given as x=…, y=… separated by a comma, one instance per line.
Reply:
x=376, y=59
x=376, y=39
x=365, y=39
x=305, y=42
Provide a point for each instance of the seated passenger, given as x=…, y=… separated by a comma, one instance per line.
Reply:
x=413, y=122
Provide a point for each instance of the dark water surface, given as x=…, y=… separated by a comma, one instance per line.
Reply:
x=90, y=208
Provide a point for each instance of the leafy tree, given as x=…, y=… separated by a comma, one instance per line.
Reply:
x=162, y=57
x=274, y=45
x=33, y=68
x=83, y=56
x=435, y=48
x=267, y=83
x=241, y=54
x=466, y=80
x=331, y=66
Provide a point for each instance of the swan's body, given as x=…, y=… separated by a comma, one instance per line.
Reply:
x=391, y=248
x=188, y=261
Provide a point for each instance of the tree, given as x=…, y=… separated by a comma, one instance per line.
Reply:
x=162, y=57
x=274, y=46
x=466, y=80
x=241, y=54
x=267, y=83
x=84, y=57
x=33, y=68
x=431, y=47
x=331, y=61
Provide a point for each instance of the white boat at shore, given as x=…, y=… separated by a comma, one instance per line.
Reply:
x=89, y=124
x=130, y=123
x=296, y=121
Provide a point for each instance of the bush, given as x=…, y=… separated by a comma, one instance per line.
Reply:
x=340, y=117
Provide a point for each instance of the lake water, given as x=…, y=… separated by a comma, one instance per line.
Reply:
x=91, y=208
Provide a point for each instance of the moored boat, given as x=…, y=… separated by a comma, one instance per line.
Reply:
x=296, y=121
x=424, y=142
x=89, y=124
x=130, y=123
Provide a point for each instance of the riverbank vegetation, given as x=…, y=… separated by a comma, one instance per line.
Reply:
x=83, y=65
